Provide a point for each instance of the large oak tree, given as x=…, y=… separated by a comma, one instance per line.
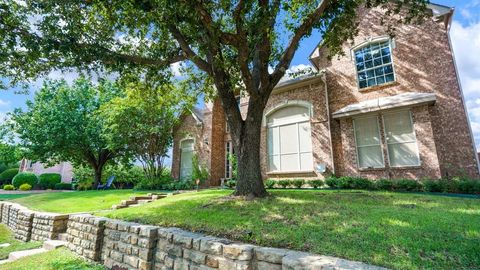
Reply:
x=235, y=45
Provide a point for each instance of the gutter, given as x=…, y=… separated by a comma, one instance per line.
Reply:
x=324, y=80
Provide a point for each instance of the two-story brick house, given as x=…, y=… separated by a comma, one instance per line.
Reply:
x=389, y=108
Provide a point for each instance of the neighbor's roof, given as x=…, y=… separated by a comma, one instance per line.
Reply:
x=197, y=113
x=385, y=103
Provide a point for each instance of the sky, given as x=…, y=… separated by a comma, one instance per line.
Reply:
x=465, y=36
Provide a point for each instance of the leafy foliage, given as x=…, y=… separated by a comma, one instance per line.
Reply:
x=7, y=176
x=25, y=187
x=298, y=183
x=316, y=183
x=199, y=171
x=142, y=121
x=270, y=183
x=62, y=123
x=24, y=178
x=284, y=183
x=49, y=180
x=63, y=186
x=8, y=187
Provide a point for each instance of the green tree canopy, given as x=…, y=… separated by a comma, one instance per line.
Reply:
x=62, y=123
x=240, y=45
x=143, y=121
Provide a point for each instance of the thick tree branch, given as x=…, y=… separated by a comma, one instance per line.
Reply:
x=289, y=52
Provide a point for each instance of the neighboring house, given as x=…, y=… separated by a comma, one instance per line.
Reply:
x=65, y=169
x=389, y=108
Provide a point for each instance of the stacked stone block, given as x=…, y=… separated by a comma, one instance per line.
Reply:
x=47, y=226
x=85, y=235
x=13, y=215
x=23, y=230
x=5, y=212
x=128, y=245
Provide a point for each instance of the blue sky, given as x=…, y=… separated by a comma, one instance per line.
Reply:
x=465, y=34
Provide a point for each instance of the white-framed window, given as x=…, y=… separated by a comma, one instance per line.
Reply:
x=289, y=140
x=401, y=139
x=368, y=141
x=228, y=164
x=186, y=156
x=374, y=64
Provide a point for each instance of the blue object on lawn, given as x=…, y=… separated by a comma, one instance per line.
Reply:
x=108, y=184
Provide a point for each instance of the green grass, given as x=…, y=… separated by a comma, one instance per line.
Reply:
x=4, y=197
x=6, y=236
x=59, y=259
x=395, y=230
x=72, y=202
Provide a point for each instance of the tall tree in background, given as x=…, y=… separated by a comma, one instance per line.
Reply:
x=143, y=120
x=229, y=44
x=62, y=124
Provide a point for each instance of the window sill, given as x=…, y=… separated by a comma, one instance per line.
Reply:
x=416, y=167
x=290, y=172
x=377, y=87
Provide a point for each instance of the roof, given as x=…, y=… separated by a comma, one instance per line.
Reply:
x=197, y=113
x=385, y=103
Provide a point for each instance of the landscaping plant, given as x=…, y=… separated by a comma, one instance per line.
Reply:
x=25, y=178
x=284, y=183
x=63, y=186
x=25, y=187
x=49, y=180
x=316, y=183
x=7, y=176
x=8, y=187
x=298, y=183
x=270, y=183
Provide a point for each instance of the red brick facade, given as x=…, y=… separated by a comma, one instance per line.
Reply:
x=423, y=63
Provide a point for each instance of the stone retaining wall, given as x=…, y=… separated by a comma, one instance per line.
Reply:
x=47, y=226
x=123, y=245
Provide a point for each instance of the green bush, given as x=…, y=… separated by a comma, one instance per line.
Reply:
x=408, y=185
x=270, y=183
x=333, y=182
x=469, y=186
x=7, y=176
x=25, y=187
x=49, y=180
x=284, y=183
x=8, y=187
x=434, y=186
x=63, y=186
x=384, y=184
x=298, y=183
x=315, y=183
x=24, y=178
x=362, y=183
x=126, y=176
x=231, y=183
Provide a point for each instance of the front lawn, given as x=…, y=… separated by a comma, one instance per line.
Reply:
x=396, y=230
x=72, y=202
x=52, y=260
x=6, y=237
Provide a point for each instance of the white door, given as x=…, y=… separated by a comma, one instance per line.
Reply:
x=186, y=155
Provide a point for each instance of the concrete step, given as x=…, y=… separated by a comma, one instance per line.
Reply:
x=128, y=202
x=53, y=244
x=118, y=206
x=24, y=253
x=62, y=236
x=144, y=201
x=158, y=196
x=136, y=198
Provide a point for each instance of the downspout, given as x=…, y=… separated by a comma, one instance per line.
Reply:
x=461, y=90
x=324, y=80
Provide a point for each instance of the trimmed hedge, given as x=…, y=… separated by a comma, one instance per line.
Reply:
x=49, y=180
x=63, y=186
x=7, y=176
x=24, y=178
x=8, y=187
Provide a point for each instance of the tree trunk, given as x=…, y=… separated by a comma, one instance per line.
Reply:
x=249, y=176
x=98, y=176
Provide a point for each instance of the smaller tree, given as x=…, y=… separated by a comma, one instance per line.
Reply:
x=62, y=123
x=143, y=121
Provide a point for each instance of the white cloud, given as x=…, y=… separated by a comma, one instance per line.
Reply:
x=4, y=103
x=177, y=68
x=466, y=46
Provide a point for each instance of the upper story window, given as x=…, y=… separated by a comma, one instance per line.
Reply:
x=374, y=64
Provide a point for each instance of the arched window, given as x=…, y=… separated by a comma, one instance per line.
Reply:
x=289, y=139
x=186, y=155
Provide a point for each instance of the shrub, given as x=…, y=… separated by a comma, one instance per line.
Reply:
x=468, y=186
x=6, y=176
x=49, y=180
x=154, y=184
x=8, y=187
x=63, y=186
x=434, y=185
x=333, y=182
x=24, y=178
x=284, y=183
x=269, y=183
x=315, y=183
x=25, y=187
x=125, y=176
x=199, y=171
x=298, y=183
x=361, y=183
x=408, y=185
x=231, y=183
x=384, y=184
